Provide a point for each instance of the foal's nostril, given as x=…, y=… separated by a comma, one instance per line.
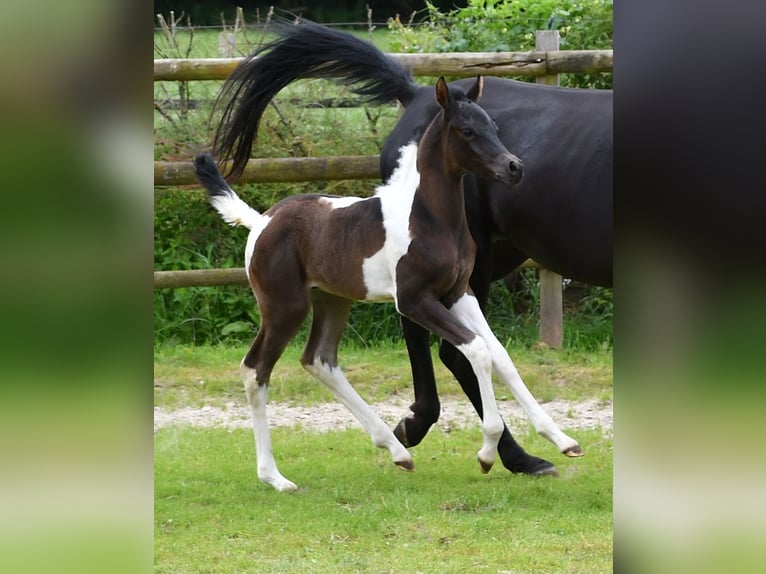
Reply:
x=516, y=168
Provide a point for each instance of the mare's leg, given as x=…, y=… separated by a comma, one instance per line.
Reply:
x=431, y=314
x=425, y=410
x=279, y=323
x=320, y=358
x=467, y=308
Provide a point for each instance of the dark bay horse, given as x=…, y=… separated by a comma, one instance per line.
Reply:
x=560, y=215
x=409, y=244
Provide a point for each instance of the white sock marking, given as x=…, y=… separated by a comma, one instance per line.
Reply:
x=381, y=435
x=468, y=310
x=257, y=396
x=480, y=358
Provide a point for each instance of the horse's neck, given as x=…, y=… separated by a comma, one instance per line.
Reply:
x=440, y=191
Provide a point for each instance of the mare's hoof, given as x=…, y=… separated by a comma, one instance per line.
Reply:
x=407, y=465
x=535, y=466
x=400, y=432
x=549, y=470
x=485, y=466
x=574, y=451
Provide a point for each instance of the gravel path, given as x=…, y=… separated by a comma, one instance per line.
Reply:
x=589, y=414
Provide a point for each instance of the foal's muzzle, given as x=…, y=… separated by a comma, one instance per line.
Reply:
x=512, y=170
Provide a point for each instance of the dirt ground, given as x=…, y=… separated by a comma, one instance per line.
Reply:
x=589, y=414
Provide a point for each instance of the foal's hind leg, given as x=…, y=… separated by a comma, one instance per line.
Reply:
x=320, y=358
x=279, y=323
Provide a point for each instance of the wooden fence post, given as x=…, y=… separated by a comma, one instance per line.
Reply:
x=551, y=301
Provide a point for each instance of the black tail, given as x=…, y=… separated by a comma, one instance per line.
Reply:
x=208, y=175
x=307, y=50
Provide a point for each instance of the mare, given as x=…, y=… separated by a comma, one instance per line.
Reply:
x=560, y=215
x=409, y=244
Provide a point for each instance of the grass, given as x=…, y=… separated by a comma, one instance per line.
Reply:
x=209, y=375
x=355, y=512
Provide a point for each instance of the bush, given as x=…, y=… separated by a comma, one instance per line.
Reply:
x=505, y=25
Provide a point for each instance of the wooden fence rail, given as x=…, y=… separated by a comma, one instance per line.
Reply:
x=230, y=276
x=456, y=64
x=268, y=170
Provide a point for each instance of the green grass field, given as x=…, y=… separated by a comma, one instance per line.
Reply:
x=186, y=375
x=354, y=510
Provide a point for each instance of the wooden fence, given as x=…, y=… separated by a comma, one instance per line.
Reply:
x=545, y=64
x=457, y=64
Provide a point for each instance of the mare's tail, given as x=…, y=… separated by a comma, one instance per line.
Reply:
x=306, y=50
x=233, y=210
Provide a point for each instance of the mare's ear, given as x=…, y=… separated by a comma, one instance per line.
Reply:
x=475, y=92
x=443, y=95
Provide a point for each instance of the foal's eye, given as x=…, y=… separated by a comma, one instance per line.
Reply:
x=467, y=133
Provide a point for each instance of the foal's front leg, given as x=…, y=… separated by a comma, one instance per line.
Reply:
x=467, y=308
x=431, y=314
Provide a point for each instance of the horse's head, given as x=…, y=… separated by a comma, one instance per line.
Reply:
x=472, y=141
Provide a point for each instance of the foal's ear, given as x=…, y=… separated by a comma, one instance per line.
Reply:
x=475, y=92
x=443, y=95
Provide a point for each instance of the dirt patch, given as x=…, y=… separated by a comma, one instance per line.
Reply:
x=590, y=414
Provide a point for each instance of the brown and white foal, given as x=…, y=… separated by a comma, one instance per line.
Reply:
x=409, y=244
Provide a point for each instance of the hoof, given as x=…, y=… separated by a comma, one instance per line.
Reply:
x=407, y=465
x=283, y=485
x=548, y=471
x=485, y=466
x=535, y=466
x=574, y=451
x=400, y=432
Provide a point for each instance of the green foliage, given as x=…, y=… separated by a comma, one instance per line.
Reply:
x=513, y=313
x=505, y=25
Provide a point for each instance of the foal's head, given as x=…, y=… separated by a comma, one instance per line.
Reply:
x=471, y=137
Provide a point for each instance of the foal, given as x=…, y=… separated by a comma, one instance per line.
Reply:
x=409, y=244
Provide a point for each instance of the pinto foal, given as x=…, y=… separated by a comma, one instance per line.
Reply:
x=409, y=244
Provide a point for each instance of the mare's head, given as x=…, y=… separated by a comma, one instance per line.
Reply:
x=472, y=143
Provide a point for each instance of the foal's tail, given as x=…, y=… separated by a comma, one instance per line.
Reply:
x=233, y=210
x=306, y=50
